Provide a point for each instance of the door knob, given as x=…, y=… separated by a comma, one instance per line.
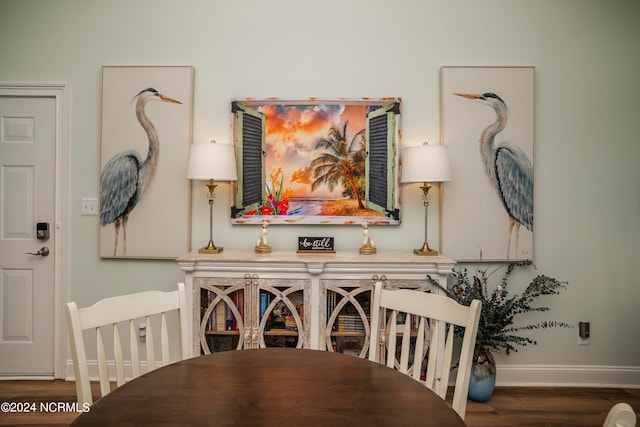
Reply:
x=44, y=251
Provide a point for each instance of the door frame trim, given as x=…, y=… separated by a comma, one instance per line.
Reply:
x=60, y=93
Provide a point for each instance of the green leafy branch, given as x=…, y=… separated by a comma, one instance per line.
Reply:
x=496, y=330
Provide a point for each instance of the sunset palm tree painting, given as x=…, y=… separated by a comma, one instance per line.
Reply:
x=341, y=163
x=316, y=162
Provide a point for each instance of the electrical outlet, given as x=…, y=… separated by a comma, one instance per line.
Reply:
x=584, y=332
x=89, y=206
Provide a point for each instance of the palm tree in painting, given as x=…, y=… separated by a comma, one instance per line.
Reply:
x=342, y=163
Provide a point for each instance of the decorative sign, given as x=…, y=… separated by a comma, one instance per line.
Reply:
x=315, y=244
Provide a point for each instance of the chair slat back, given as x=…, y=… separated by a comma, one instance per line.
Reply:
x=424, y=322
x=125, y=311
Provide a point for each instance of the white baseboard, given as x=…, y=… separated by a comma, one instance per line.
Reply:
x=92, y=365
x=568, y=376
x=508, y=375
x=26, y=377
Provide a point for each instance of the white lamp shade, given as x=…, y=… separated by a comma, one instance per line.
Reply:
x=212, y=161
x=426, y=163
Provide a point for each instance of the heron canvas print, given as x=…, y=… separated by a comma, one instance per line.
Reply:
x=146, y=131
x=488, y=125
x=316, y=161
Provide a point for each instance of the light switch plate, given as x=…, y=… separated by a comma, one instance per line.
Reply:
x=89, y=206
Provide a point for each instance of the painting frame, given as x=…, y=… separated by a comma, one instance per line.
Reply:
x=316, y=161
x=476, y=208
x=162, y=191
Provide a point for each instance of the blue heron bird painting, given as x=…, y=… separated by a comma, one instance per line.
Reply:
x=508, y=168
x=127, y=177
x=145, y=138
x=495, y=107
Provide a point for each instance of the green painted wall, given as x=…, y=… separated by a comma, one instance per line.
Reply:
x=587, y=150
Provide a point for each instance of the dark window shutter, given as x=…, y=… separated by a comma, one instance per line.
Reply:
x=249, y=132
x=251, y=160
x=378, y=160
x=380, y=168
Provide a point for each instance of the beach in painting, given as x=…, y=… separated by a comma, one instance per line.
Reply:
x=307, y=211
x=343, y=207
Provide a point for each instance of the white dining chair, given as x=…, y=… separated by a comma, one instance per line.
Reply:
x=620, y=415
x=133, y=313
x=425, y=322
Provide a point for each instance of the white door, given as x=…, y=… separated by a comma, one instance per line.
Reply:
x=27, y=198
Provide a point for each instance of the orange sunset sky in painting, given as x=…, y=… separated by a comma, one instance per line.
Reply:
x=292, y=132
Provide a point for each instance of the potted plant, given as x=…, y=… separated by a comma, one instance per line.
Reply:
x=496, y=329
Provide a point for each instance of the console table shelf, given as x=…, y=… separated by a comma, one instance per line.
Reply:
x=316, y=293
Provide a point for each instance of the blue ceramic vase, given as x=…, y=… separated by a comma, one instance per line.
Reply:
x=482, y=381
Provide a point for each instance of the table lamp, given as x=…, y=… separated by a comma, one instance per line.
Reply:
x=211, y=162
x=425, y=163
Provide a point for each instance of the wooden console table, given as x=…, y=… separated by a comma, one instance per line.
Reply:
x=325, y=296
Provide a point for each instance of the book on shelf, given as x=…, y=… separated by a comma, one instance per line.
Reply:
x=213, y=319
x=265, y=300
x=228, y=319
x=264, y=303
x=220, y=314
x=217, y=320
x=351, y=323
x=332, y=301
x=349, y=319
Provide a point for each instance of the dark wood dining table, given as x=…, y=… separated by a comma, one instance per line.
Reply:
x=281, y=387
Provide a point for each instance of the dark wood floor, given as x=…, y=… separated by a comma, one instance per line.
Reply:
x=509, y=406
